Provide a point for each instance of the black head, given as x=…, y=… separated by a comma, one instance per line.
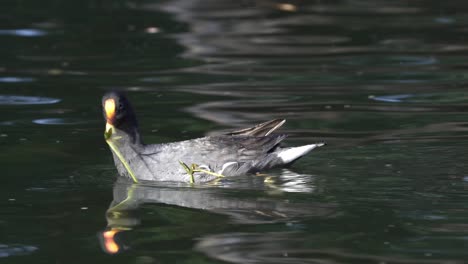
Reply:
x=118, y=113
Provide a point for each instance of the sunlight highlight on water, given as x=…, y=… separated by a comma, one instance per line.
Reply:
x=383, y=83
x=26, y=100
x=24, y=32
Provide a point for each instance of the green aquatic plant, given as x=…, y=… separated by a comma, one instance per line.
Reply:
x=195, y=168
x=115, y=149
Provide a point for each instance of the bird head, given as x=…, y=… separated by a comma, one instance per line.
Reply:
x=119, y=116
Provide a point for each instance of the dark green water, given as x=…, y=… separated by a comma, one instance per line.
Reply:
x=384, y=83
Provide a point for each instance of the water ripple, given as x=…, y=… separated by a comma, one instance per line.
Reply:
x=23, y=32
x=14, y=79
x=447, y=98
x=56, y=121
x=26, y=100
x=397, y=98
x=290, y=247
x=15, y=250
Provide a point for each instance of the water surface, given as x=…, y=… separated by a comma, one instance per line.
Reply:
x=383, y=83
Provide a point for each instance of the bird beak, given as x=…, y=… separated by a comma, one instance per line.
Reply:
x=109, y=107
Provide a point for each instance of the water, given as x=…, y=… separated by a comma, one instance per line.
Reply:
x=383, y=83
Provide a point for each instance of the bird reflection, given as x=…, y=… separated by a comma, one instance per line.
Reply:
x=258, y=207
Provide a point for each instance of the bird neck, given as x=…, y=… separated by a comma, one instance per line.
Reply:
x=127, y=135
x=134, y=136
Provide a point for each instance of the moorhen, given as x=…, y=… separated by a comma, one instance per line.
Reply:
x=203, y=159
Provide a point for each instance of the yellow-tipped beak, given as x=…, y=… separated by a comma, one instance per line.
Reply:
x=109, y=107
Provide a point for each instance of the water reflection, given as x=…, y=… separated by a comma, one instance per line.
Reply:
x=244, y=226
x=242, y=207
x=383, y=82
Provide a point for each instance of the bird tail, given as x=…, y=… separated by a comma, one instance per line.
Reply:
x=289, y=155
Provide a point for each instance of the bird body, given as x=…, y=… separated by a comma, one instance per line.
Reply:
x=236, y=153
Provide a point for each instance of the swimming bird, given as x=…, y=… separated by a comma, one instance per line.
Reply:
x=240, y=152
